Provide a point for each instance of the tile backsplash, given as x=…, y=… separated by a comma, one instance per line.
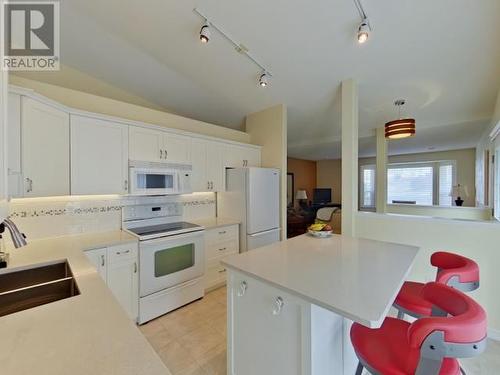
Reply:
x=57, y=216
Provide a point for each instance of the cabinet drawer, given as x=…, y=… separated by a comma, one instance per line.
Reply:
x=215, y=273
x=122, y=252
x=222, y=234
x=221, y=249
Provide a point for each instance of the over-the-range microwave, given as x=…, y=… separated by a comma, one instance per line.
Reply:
x=149, y=178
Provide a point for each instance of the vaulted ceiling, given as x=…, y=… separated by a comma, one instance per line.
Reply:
x=442, y=56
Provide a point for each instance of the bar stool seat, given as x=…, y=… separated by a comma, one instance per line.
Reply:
x=410, y=300
x=453, y=270
x=388, y=352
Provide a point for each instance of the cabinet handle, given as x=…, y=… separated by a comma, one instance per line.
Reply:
x=242, y=289
x=102, y=260
x=135, y=267
x=161, y=154
x=166, y=154
x=29, y=183
x=208, y=185
x=223, y=232
x=125, y=185
x=278, y=302
x=222, y=270
x=211, y=185
x=222, y=249
x=122, y=252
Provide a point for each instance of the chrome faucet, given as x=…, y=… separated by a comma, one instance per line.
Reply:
x=18, y=238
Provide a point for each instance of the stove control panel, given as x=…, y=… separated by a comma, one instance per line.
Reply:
x=150, y=211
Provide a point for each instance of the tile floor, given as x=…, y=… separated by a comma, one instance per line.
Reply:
x=192, y=340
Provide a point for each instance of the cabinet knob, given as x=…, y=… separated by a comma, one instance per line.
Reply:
x=102, y=260
x=122, y=252
x=29, y=185
x=222, y=270
x=125, y=185
x=242, y=289
x=223, y=248
x=135, y=267
x=161, y=154
x=223, y=232
x=278, y=305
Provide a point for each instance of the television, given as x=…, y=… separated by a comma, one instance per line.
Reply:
x=322, y=196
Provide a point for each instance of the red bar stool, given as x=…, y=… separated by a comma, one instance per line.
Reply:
x=428, y=346
x=453, y=270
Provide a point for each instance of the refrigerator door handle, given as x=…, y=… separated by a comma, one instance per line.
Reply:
x=264, y=232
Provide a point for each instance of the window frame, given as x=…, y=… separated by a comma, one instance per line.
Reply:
x=436, y=164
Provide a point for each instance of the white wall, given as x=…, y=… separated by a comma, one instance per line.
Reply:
x=477, y=240
x=3, y=134
x=268, y=128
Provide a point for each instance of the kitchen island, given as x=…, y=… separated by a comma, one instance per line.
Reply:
x=291, y=304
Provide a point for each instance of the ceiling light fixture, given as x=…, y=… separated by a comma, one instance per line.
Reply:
x=205, y=35
x=264, y=79
x=402, y=128
x=364, y=27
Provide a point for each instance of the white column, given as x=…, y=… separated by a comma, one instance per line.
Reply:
x=349, y=156
x=381, y=172
x=3, y=130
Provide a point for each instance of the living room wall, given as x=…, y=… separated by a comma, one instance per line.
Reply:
x=329, y=175
x=304, y=172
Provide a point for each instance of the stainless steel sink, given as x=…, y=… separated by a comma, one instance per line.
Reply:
x=28, y=288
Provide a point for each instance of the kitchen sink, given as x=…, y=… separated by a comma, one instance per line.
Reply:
x=39, y=285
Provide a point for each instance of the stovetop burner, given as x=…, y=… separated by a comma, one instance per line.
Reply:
x=166, y=229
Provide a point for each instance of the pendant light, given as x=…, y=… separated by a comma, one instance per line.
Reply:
x=402, y=128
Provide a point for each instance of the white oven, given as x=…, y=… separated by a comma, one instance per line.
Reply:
x=169, y=261
x=159, y=179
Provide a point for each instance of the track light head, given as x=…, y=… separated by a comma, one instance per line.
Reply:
x=205, y=33
x=363, y=31
x=264, y=79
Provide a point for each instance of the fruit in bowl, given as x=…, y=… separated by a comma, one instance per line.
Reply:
x=320, y=230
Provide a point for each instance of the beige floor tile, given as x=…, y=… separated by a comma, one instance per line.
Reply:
x=160, y=339
x=151, y=328
x=182, y=324
x=196, y=371
x=219, y=324
x=200, y=341
x=177, y=359
x=214, y=361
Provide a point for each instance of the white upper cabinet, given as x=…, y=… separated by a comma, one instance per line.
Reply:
x=14, y=170
x=176, y=148
x=158, y=146
x=145, y=144
x=99, y=156
x=45, y=149
x=208, y=170
x=241, y=156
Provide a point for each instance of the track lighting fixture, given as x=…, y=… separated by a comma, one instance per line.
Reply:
x=264, y=79
x=205, y=33
x=363, y=31
x=364, y=27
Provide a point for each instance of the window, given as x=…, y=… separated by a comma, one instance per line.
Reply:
x=496, y=190
x=367, y=187
x=428, y=183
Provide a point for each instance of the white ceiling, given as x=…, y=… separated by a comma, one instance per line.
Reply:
x=442, y=56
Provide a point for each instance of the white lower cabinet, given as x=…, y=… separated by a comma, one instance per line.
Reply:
x=118, y=266
x=265, y=329
x=219, y=243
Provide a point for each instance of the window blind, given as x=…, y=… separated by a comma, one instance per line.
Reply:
x=411, y=184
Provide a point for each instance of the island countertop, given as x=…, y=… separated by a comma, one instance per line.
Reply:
x=86, y=334
x=356, y=278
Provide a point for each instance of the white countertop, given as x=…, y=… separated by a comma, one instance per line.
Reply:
x=215, y=222
x=86, y=334
x=355, y=278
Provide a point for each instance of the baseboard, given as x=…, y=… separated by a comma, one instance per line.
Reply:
x=494, y=334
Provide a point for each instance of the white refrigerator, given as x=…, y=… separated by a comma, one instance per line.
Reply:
x=252, y=197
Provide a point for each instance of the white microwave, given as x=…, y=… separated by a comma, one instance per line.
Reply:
x=159, y=178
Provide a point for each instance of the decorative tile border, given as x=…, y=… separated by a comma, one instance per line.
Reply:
x=27, y=209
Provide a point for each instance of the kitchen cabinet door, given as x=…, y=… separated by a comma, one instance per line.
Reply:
x=145, y=144
x=233, y=156
x=45, y=149
x=98, y=258
x=14, y=170
x=99, y=156
x=254, y=316
x=214, y=167
x=199, y=180
x=124, y=284
x=252, y=156
x=176, y=149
